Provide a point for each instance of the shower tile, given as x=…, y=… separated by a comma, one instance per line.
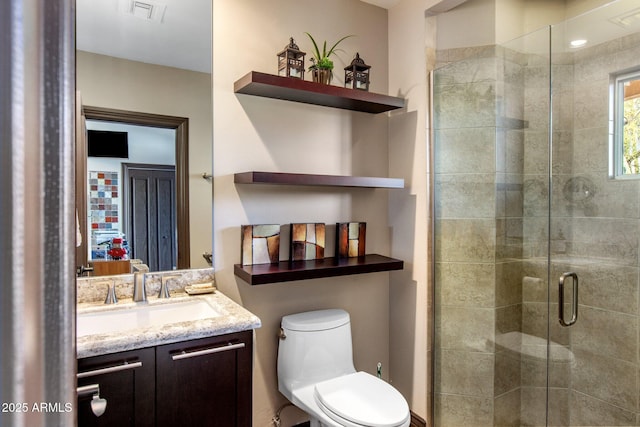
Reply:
x=610, y=380
x=628, y=56
x=514, y=161
x=471, y=103
x=536, y=108
x=607, y=333
x=592, y=154
x=606, y=238
x=620, y=293
x=465, y=150
x=472, y=70
x=558, y=407
x=478, y=335
x=506, y=409
x=534, y=371
x=465, y=240
x=454, y=410
x=508, y=283
x=588, y=411
x=533, y=409
x=595, y=195
x=563, y=149
x=563, y=109
x=465, y=284
x=592, y=104
x=465, y=196
x=596, y=66
x=507, y=372
x=536, y=152
x=509, y=238
x=508, y=319
x=464, y=372
x=534, y=322
x=535, y=195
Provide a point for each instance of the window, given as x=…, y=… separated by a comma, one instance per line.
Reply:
x=625, y=147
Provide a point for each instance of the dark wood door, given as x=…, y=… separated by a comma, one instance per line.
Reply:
x=128, y=389
x=211, y=380
x=150, y=215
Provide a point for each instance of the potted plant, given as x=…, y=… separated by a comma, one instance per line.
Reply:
x=321, y=70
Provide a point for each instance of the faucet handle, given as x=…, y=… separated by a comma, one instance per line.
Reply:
x=164, y=289
x=111, y=291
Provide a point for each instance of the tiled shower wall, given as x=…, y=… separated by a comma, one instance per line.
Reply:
x=491, y=207
x=478, y=209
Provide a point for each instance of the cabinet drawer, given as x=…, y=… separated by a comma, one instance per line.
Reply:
x=126, y=381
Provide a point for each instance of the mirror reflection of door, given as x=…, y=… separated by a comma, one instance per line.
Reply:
x=132, y=192
x=149, y=201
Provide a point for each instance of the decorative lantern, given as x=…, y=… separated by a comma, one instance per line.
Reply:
x=291, y=61
x=356, y=75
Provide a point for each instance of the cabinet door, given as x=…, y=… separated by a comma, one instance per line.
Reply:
x=126, y=381
x=205, y=382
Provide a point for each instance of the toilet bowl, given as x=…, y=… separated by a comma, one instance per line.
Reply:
x=316, y=373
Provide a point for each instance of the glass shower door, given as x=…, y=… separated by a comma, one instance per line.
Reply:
x=594, y=222
x=491, y=139
x=537, y=191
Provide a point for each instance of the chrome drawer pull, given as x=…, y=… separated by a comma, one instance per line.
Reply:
x=125, y=366
x=185, y=355
x=86, y=390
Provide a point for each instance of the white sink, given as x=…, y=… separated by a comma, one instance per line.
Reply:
x=143, y=316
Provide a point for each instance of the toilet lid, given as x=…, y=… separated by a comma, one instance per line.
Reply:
x=362, y=399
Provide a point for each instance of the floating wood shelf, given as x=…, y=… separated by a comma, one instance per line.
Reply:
x=286, y=271
x=290, y=89
x=278, y=178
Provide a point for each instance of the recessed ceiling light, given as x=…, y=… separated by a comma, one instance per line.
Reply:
x=577, y=43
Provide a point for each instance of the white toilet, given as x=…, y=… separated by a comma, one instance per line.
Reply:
x=316, y=373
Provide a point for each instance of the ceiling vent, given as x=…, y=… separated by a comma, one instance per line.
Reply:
x=151, y=11
x=628, y=19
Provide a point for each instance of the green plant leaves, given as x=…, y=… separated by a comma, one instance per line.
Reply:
x=322, y=60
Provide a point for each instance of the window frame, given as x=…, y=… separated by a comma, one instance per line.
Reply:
x=616, y=122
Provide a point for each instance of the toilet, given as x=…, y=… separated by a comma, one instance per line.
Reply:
x=316, y=373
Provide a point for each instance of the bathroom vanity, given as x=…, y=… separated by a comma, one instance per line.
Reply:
x=182, y=361
x=204, y=382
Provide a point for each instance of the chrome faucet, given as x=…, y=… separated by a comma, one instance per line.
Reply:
x=139, y=287
x=164, y=289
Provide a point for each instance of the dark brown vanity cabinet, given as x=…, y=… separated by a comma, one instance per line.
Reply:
x=209, y=379
x=204, y=382
x=126, y=381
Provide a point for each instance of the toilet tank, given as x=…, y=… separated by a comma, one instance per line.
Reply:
x=315, y=346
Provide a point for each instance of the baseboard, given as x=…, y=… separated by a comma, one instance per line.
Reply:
x=416, y=421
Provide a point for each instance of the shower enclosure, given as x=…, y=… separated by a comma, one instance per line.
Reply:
x=537, y=228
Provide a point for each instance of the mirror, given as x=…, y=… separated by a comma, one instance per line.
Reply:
x=148, y=64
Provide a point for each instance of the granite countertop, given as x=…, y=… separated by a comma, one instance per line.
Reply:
x=234, y=318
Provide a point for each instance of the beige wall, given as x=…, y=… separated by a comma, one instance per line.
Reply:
x=411, y=55
x=252, y=133
x=120, y=84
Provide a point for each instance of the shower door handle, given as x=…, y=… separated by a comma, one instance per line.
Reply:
x=574, y=302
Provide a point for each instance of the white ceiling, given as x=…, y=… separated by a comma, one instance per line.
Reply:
x=182, y=39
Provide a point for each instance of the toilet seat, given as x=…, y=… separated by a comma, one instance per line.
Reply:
x=360, y=399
